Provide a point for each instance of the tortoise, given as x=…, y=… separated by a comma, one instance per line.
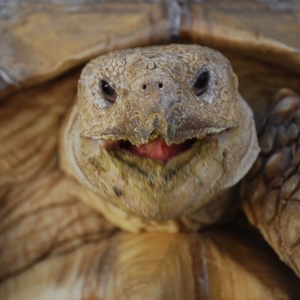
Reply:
x=69, y=232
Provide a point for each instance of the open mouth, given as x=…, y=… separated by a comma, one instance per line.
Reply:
x=157, y=149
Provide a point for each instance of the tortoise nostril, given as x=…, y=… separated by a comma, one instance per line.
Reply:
x=160, y=85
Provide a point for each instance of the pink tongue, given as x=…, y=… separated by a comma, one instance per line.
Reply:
x=158, y=149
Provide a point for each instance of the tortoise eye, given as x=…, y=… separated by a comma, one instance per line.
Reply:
x=108, y=91
x=201, y=83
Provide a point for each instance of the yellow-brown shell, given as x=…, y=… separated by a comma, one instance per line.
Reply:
x=51, y=245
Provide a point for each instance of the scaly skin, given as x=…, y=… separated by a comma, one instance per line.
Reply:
x=147, y=188
x=271, y=190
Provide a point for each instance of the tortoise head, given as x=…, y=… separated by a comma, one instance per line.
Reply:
x=160, y=131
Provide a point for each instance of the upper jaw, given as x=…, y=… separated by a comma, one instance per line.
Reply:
x=143, y=136
x=158, y=148
x=183, y=135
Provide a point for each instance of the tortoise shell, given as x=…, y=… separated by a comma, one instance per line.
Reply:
x=54, y=246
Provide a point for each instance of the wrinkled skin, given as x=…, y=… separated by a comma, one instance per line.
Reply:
x=155, y=96
x=273, y=207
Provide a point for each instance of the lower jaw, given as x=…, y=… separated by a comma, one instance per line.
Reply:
x=146, y=187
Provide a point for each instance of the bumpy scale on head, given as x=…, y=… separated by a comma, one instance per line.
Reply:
x=142, y=106
x=174, y=93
